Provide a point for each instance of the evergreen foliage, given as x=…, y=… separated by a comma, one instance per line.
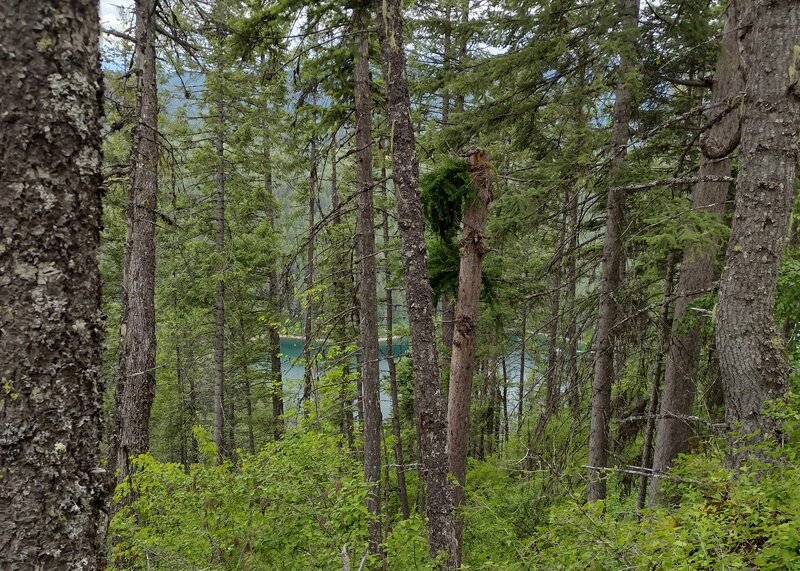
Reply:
x=260, y=95
x=445, y=191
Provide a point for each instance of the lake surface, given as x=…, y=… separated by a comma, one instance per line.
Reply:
x=292, y=366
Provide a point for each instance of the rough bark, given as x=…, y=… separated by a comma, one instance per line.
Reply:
x=51, y=412
x=429, y=403
x=402, y=490
x=473, y=247
x=751, y=350
x=367, y=285
x=136, y=383
x=698, y=266
x=612, y=263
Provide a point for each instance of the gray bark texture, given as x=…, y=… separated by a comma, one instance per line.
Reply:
x=367, y=285
x=751, y=349
x=462, y=363
x=136, y=382
x=429, y=400
x=50, y=322
x=699, y=260
x=610, y=273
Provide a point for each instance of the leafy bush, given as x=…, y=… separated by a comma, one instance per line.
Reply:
x=294, y=505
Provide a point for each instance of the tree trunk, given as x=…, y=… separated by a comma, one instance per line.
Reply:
x=51, y=342
x=219, y=304
x=473, y=247
x=368, y=292
x=612, y=260
x=652, y=405
x=429, y=404
x=699, y=260
x=751, y=353
x=402, y=490
x=136, y=384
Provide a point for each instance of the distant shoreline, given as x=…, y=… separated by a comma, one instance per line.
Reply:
x=301, y=338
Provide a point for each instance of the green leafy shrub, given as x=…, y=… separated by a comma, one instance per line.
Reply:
x=294, y=505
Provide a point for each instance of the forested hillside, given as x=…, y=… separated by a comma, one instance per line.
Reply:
x=425, y=285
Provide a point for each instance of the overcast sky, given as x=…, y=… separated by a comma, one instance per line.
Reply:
x=110, y=12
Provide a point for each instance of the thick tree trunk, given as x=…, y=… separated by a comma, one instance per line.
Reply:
x=402, y=490
x=367, y=285
x=473, y=247
x=136, y=384
x=52, y=489
x=652, y=405
x=219, y=303
x=699, y=260
x=612, y=261
x=751, y=353
x=429, y=403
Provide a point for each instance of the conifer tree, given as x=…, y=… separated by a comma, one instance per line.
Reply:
x=53, y=488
